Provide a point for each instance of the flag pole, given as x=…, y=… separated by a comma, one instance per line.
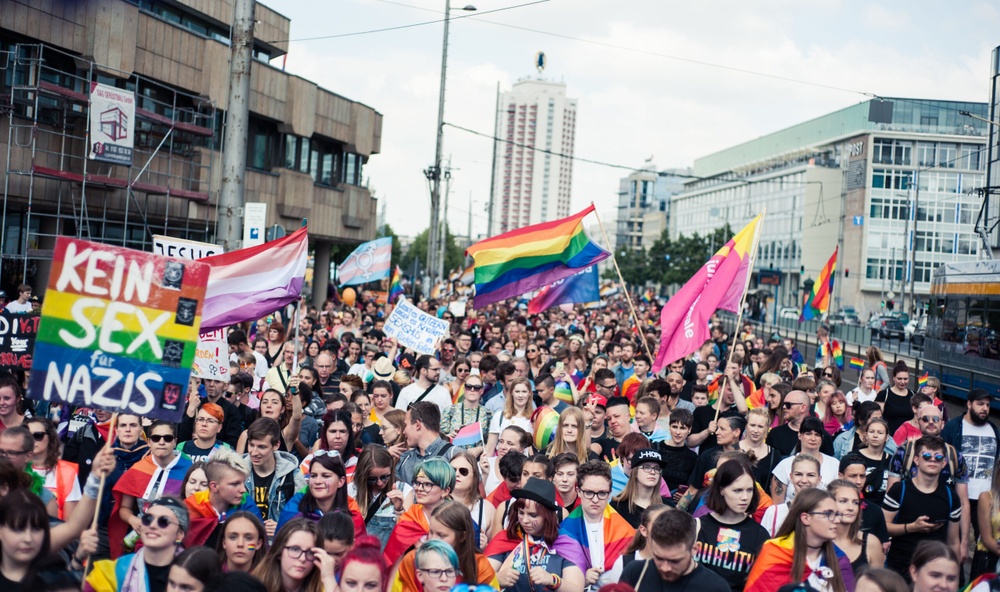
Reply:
x=746, y=286
x=628, y=298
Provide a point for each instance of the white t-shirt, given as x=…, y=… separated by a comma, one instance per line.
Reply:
x=861, y=397
x=595, y=538
x=499, y=423
x=15, y=306
x=773, y=517
x=828, y=472
x=438, y=395
x=50, y=483
x=979, y=447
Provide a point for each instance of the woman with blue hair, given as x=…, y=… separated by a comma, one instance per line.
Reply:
x=437, y=566
x=433, y=482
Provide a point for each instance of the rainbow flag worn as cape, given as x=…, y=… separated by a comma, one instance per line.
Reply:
x=837, y=352
x=573, y=542
x=773, y=568
x=857, y=364
x=525, y=259
x=395, y=287
x=136, y=482
x=410, y=528
x=819, y=301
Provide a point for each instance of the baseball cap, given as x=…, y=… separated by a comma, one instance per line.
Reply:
x=599, y=400
x=979, y=393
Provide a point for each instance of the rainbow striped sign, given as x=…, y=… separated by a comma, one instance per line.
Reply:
x=119, y=330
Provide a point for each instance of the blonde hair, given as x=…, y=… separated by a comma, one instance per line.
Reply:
x=762, y=412
x=508, y=406
x=223, y=459
x=582, y=447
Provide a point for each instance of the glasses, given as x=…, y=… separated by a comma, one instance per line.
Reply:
x=448, y=350
x=532, y=351
x=298, y=552
x=652, y=469
x=207, y=420
x=936, y=457
x=439, y=574
x=161, y=521
x=830, y=515
x=13, y=453
x=423, y=485
x=463, y=471
x=789, y=404
x=373, y=479
x=461, y=370
x=39, y=436
x=828, y=374
x=607, y=386
x=473, y=387
x=157, y=438
x=930, y=418
x=601, y=495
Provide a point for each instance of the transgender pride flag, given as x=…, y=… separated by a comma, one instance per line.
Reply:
x=250, y=283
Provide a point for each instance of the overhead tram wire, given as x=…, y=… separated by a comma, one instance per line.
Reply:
x=409, y=26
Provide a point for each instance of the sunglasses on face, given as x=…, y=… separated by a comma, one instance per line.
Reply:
x=463, y=471
x=473, y=387
x=38, y=436
x=930, y=419
x=789, y=405
x=373, y=479
x=828, y=374
x=161, y=521
x=936, y=457
x=157, y=438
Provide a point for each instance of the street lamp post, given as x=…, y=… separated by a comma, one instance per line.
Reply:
x=434, y=172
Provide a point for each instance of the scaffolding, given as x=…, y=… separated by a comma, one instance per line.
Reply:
x=52, y=188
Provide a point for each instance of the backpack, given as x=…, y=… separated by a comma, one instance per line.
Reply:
x=911, y=450
x=902, y=494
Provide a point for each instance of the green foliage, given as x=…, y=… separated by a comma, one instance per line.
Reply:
x=672, y=261
x=454, y=257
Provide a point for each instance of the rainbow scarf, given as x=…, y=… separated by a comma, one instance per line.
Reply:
x=574, y=544
x=411, y=527
x=773, y=568
x=135, y=482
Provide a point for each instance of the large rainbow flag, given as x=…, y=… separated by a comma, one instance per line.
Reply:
x=395, y=287
x=410, y=529
x=719, y=284
x=773, y=567
x=819, y=301
x=573, y=542
x=525, y=259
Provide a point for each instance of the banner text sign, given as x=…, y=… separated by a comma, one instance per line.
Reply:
x=414, y=328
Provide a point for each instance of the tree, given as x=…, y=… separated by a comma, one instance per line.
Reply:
x=454, y=257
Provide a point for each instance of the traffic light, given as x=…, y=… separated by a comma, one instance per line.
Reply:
x=847, y=273
x=890, y=304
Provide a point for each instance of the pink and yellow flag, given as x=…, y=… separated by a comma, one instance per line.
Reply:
x=719, y=284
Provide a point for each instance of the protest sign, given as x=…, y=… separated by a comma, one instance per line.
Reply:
x=180, y=248
x=414, y=328
x=119, y=329
x=17, y=340
x=211, y=360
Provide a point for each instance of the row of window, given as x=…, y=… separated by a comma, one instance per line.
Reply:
x=898, y=208
x=928, y=154
x=324, y=159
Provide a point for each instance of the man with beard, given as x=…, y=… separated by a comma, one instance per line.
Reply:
x=977, y=439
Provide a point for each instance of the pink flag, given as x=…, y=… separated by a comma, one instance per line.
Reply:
x=250, y=283
x=719, y=284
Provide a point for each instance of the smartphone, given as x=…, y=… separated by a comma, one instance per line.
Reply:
x=560, y=367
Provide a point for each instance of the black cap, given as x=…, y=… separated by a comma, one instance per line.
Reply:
x=538, y=490
x=979, y=393
x=646, y=455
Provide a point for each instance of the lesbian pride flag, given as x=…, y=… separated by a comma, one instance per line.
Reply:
x=719, y=284
x=251, y=283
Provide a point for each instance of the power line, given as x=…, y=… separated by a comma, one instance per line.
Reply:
x=409, y=26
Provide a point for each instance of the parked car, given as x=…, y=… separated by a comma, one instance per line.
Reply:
x=843, y=318
x=887, y=328
x=789, y=312
x=916, y=331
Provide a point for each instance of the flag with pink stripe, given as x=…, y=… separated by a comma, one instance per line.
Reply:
x=250, y=283
x=368, y=263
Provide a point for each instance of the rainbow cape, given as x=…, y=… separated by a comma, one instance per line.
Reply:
x=819, y=300
x=526, y=259
x=573, y=542
x=773, y=568
x=135, y=482
x=410, y=528
x=395, y=288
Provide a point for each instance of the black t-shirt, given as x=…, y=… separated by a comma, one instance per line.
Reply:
x=261, y=489
x=8, y=585
x=876, y=478
x=679, y=463
x=197, y=454
x=909, y=503
x=706, y=462
x=706, y=415
x=729, y=550
x=609, y=447
x=873, y=522
x=785, y=439
x=699, y=580
x=635, y=518
x=157, y=577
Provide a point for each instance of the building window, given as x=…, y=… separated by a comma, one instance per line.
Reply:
x=262, y=144
x=890, y=179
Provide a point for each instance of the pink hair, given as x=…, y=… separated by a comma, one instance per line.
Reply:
x=367, y=549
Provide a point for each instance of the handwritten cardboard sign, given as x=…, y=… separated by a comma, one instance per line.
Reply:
x=17, y=339
x=211, y=359
x=119, y=330
x=414, y=328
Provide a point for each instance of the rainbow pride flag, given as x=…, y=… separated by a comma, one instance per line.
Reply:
x=819, y=301
x=573, y=541
x=836, y=351
x=773, y=566
x=564, y=392
x=857, y=364
x=923, y=379
x=525, y=259
x=545, y=421
x=395, y=287
x=137, y=482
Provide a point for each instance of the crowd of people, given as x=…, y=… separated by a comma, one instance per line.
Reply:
x=526, y=453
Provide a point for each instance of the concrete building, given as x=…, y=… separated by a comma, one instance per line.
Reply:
x=306, y=147
x=879, y=179
x=644, y=205
x=533, y=186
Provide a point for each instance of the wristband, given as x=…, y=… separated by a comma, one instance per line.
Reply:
x=92, y=487
x=556, y=582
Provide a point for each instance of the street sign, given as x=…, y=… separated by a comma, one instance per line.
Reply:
x=859, y=220
x=769, y=277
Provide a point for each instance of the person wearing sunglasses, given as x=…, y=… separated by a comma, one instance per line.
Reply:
x=160, y=472
x=162, y=529
x=379, y=496
x=923, y=506
x=803, y=549
x=60, y=475
x=468, y=410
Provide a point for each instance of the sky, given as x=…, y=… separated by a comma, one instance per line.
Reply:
x=652, y=78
